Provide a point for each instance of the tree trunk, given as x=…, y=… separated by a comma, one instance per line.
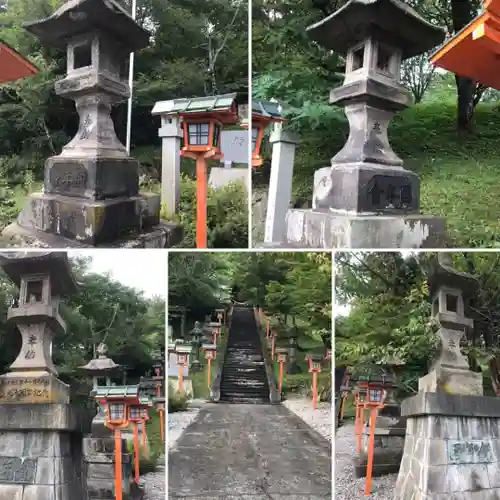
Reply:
x=462, y=14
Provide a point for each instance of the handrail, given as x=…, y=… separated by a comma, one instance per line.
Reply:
x=221, y=355
x=274, y=394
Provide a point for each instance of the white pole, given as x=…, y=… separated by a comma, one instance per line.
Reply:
x=131, y=84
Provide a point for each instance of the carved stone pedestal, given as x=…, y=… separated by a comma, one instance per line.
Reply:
x=40, y=452
x=452, y=448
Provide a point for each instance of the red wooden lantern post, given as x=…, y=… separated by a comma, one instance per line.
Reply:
x=160, y=408
x=273, y=344
x=263, y=113
x=268, y=327
x=315, y=368
x=183, y=352
x=145, y=418
x=372, y=397
x=210, y=353
x=135, y=416
x=116, y=420
x=282, y=354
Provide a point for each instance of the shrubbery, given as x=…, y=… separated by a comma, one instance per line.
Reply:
x=176, y=401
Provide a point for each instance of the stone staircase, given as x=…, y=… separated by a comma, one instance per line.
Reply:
x=244, y=378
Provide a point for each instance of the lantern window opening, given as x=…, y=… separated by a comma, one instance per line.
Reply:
x=255, y=136
x=451, y=302
x=357, y=58
x=199, y=134
x=135, y=413
x=116, y=411
x=34, y=290
x=82, y=55
x=384, y=58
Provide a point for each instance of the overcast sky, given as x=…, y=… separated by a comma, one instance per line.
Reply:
x=145, y=270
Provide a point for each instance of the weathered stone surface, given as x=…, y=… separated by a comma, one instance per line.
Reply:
x=33, y=388
x=452, y=381
x=364, y=188
x=92, y=178
x=90, y=222
x=40, y=416
x=324, y=229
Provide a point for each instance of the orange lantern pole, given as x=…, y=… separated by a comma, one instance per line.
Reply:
x=268, y=328
x=118, y=465
x=162, y=425
x=136, y=451
x=342, y=405
x=273, y=343
x=371, y=444
x=201, y=201
x=210, y=353
x=282, y=354
x=182, y=360
x=314, y=368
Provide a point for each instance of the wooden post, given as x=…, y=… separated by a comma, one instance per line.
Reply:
x=371, y=444
x=268, y=328
x=144, y=444
x=201, y=202
x=360, y=428
x=342, y=405
x=181, y=372
x=209, y=380
x=118, y=465
x=136, y=451
x=356, y=420
x=162, y=425
x=273, y=341
x=315, y=391
x=281, y=377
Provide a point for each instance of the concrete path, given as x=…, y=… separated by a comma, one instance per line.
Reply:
x=249, y=452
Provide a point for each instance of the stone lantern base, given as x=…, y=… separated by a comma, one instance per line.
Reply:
x=41, y=452
x=29, y=387
x=330, y=229
x=452, y=448
x=88, y=229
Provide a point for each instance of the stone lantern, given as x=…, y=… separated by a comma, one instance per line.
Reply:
x=448, y=288
x=98, y=369
x=196, y=341
x=366, y=178
x=91, y=190
x=42, y=278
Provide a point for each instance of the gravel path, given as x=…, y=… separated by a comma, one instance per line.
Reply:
x=320, y=419
x=154, y=483
x=347, y=486
x=177, y=422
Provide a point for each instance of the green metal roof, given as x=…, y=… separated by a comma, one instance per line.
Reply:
x=196, y=104
x=117, y=391
x=267, y=109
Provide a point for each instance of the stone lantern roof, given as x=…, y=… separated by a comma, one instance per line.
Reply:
x=102, y=364
x=54, y=264
x=77, y=17
x=443, y=274
x=390, y=21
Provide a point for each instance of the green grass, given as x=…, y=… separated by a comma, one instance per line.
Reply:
x=460, y=174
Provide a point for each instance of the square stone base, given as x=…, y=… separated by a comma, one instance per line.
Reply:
x=452, y=381
x=162, y=235
x=40, y=453
x=449, y=453
x=329, y=230
x=18, y=388
x=86, y=221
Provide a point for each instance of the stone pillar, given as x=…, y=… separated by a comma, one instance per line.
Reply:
x=280, y=183
x=452, y=446
x=40, y=432
x=171, y=136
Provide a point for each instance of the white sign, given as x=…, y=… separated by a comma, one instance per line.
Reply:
x=234, y=145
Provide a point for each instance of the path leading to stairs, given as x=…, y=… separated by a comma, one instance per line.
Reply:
x=249, y=452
